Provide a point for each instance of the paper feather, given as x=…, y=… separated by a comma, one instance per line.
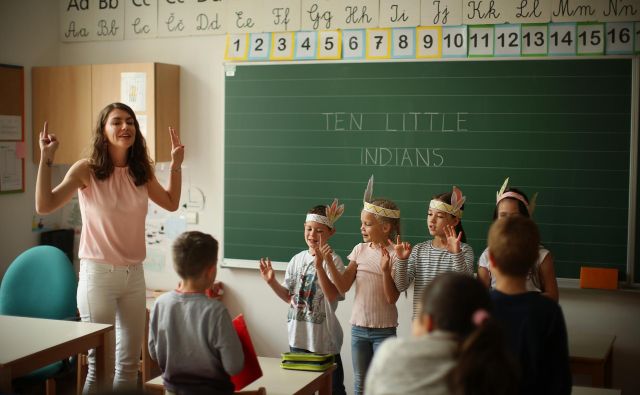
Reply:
x=368, y=192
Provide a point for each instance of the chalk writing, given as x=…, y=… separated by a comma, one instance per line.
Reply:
x=401, y=157
x=396, y=122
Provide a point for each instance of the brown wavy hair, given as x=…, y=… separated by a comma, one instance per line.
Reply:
x=138, y=159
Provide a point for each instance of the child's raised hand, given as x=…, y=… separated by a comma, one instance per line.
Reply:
x=402, y=248
x=266, y=270
x=385, y=261
x=453, y=240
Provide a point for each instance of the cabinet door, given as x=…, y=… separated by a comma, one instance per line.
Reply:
x=62, y=97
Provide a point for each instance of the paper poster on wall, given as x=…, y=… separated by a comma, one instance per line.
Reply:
x=10, y=168
x=10, y=127
x=133, y=87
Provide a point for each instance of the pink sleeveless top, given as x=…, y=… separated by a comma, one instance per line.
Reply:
x=113, y=216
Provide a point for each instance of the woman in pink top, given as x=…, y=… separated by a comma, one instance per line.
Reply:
x=374, y=317
x=114, y=184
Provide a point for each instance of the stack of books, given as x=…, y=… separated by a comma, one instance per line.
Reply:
x=306, y=361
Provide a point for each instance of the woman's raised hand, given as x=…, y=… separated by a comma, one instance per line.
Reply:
x=177, y=149
x=48, y=144
x=453, y=240
x=402, y=248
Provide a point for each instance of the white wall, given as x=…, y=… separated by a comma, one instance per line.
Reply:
x=29, y=37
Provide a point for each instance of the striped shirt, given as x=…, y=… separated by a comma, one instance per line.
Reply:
x=370, y=307
x=425, y=263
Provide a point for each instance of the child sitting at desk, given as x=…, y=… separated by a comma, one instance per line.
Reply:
x=536, y=332
x=190, y=334
x=457, y=348
x=309, y=292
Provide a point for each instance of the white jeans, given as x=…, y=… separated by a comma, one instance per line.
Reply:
x=112, y=294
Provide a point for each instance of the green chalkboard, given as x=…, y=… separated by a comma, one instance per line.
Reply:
x=298, y=135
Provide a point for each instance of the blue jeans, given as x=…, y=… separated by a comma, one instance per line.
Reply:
x=337, y=378
x=364, y=343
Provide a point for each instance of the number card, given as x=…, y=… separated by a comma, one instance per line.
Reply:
x=636, y=35
x=619, y=38
x=378, y=43
x=329, y=44
x=428, y=42
x=590, y=38
x=403, y=43
x=534, y=39
x=507, y=40
x=282, y=44
x=481, y=40
x=353, y=44
x=562, y=39
x=237, y=47
x=454, y=41
x=259, y=45
x=306, y=45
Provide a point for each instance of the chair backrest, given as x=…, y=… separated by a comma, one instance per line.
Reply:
x=40, y=282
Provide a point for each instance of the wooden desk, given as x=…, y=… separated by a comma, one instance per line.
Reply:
x=575, y=390
x=27, y=344
x=591, y=354
x=276, y=380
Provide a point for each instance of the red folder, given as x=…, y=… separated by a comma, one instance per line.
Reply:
x=251, y=371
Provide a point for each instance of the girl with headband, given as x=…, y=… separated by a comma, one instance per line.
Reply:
x=374, y=317
x=446, y=252
x=542, y=278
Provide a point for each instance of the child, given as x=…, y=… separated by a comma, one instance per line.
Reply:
x=536, y=331
x=542, y=277
x=374, y=316
x=312, y=297
x=448, y=251
x=456, y=349
x=191, y=335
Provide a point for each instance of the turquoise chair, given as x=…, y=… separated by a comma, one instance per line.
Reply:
x=41, y=282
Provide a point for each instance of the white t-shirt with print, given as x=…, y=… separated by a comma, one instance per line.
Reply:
x=312, y=321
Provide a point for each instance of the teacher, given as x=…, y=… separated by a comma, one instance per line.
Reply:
x=114, y=185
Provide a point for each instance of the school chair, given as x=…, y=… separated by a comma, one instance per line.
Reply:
x=41, y=283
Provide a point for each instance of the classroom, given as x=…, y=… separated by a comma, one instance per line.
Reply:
x=31, y=36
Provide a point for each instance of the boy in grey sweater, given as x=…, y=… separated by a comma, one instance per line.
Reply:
x=190, y=334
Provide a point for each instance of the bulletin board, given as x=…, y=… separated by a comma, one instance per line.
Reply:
x=12, y=144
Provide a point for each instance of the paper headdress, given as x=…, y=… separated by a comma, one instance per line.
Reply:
x=334, y=212
x=501, y=194
x=372, y=208
x=455, y=208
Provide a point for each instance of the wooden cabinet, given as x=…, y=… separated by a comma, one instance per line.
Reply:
x=69, y=98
